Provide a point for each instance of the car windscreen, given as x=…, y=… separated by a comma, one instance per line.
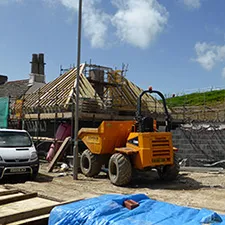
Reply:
x=14, y=139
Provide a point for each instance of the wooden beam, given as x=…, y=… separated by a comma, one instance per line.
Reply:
x=81, y=68
x=8, y=192
x=17, y=198
x=82, y=116
x=31, y=213
x=70, y=95
x=66, y=115
x=43, y=139
x=58, y=154
x=27, y=214
x=37, y=220
x=56, y=85
x=202, y=169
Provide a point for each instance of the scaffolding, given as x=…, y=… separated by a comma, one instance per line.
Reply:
x=105, y=94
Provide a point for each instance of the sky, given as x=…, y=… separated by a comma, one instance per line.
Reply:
x=175, y=46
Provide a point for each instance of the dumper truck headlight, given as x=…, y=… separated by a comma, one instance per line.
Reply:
x=34, y=156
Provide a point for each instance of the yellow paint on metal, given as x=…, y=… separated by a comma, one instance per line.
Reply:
x=108, y=136
x=126, y=150
x=155, y=149
x=149, y=149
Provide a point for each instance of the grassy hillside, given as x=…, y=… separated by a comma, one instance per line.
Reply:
x=196, y=99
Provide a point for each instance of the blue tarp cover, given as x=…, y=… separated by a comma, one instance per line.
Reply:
x=109, y=209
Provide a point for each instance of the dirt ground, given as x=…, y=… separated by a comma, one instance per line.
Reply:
x=199, y=190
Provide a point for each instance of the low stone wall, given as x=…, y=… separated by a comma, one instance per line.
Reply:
x=200, y=146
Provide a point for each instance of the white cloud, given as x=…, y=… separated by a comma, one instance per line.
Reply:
x=71, y=4
x=95, y=21
x=208, y=54
x=95, y=25
x=192, y=4
x=139, y=22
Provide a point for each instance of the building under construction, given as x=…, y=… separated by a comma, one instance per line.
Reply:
x=105, y=94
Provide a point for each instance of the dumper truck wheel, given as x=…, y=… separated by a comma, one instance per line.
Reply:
x=170, y=172
x=90, y=163
x=120, y=170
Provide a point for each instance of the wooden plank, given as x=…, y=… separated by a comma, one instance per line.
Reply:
x=6, y=219
x=83, y=115
x=81, y=68
x=25, y=205
x=202, y=169
x=38, y=220
x=56, y=85
x=17, y=198
x=70, y=95
x=59, y=153
x=27, y=214
x=8, y=192
x=48, y=115
x=43, y=139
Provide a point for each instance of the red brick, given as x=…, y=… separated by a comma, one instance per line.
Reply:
x=130, y=204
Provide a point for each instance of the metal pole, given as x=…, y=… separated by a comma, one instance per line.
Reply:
x=76, y=119
x=39, y=116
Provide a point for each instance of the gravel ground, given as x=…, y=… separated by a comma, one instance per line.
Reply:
x=199, y=190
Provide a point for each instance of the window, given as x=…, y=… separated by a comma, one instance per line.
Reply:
x=14, y=139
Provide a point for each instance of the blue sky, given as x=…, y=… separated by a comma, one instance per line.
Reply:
x=172, y=45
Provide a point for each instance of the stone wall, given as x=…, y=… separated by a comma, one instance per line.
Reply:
x=200, y=146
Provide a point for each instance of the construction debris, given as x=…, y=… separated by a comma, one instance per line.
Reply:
x=59, y=153
x=202, y=169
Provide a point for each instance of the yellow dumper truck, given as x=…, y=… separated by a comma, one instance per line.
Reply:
x=127, y=145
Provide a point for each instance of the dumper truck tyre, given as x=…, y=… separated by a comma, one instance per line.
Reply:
x=120, y=171
x=170, y=172
x=90, y=164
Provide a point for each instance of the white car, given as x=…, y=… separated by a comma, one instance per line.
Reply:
x=17, y=153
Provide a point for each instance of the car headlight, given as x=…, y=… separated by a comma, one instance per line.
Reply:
x=34, y=156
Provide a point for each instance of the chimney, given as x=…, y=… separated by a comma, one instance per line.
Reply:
x=41, y=66
x=97, y=78
x=37, y=74
x=3, y=79
x=34, y=64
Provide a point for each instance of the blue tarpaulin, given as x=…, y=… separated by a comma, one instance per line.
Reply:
x=109, y=209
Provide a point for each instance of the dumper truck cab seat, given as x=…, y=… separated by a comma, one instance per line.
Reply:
x=147, y=124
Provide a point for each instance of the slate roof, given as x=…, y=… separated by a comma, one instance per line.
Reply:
x=14, y=89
